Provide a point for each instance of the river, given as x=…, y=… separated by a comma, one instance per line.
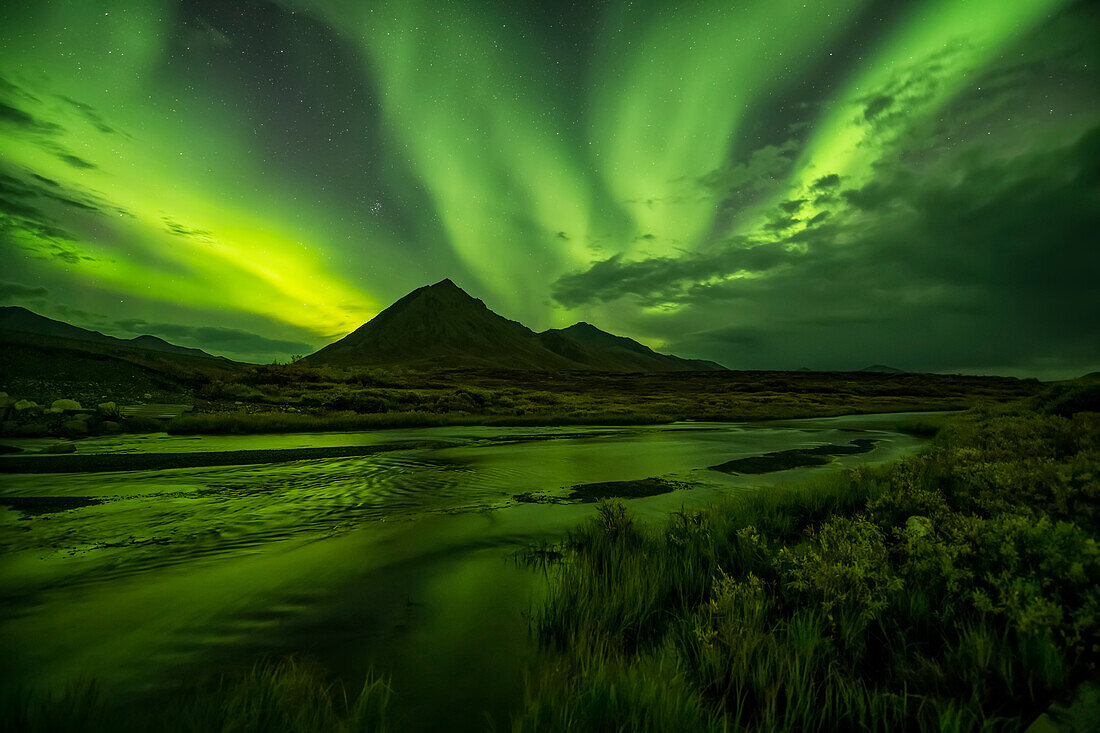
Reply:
x=400, y=561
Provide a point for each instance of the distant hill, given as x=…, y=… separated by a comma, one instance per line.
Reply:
x=584, y=343
x=21, y=320
x=441, y=325
x=882, y=369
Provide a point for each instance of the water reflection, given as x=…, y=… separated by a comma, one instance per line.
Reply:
x=397, y=559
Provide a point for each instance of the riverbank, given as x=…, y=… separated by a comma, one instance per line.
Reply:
x=956, y=590
x=402, y=561
x=294, y=398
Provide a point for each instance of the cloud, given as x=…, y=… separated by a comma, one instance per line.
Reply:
x=76, y=161
x=25, y=122
x=985, y=258
x=89, y=113
x=826, y=183
x=877, y=105
x=131, y=324
x=79, y=314
x=179, y=230
x=214, y=338
x=663, y=279
x=15, y=291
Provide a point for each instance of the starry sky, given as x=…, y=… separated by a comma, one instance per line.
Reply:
x=768, y=184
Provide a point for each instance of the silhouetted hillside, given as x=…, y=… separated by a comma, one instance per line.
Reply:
x=21, y=320
x=596, y=349
x=441, y=325
x=882, y=369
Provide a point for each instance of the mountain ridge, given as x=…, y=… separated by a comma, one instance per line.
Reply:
x=443, y=325
x=23, y=320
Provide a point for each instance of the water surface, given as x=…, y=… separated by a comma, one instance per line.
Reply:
x=400, y=560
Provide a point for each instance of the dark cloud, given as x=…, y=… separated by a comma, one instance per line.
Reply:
x=231, y=340
x=760, y=173
x=17, y=118
x=175, y=228
x=12, y=186
x=16, y=291
x=79, y=314
x=20, y=209
x=780, y=223
x=76, y=161
x=826, y=182
x=951, y=267
x=131, y=324
x=89, y=113
x=661, y=279
x=876, y=105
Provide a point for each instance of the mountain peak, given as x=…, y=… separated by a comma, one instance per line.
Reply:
x=441, y=325
x=445, y=284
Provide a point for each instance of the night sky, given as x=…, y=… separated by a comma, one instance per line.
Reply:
x=769, y=184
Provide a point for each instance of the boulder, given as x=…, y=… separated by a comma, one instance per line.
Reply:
x=23, y=405
x=65, y=405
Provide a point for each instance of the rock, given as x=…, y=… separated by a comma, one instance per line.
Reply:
x=917, y=526
x=65, y=406
x=57, y=448
x=22, y=405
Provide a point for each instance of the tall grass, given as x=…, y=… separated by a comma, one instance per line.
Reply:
x=958, y=590
x=287, y=695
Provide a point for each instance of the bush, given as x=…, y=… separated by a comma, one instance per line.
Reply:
x=957, y=590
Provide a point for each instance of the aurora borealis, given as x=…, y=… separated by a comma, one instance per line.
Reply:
x=767, y=184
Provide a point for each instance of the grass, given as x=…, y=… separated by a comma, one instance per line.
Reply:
x=288, y=695
x=283, y=422
x=958, y=590
x=293, y=397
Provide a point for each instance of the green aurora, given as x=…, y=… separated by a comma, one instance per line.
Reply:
x=767, y=184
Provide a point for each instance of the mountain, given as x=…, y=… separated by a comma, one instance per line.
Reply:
x=584, y=343
x=21, y=320
x=441, y=325
x=882, y=369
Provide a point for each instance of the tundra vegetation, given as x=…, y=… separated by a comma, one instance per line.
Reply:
x=956, y=590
